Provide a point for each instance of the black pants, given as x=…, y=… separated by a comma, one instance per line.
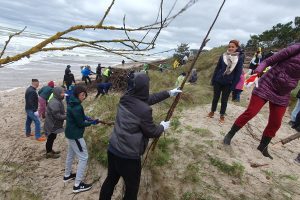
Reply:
x=236, y=95
x=85, y=78
x=100, y=92
x=297, y=121
x=68, y=85
x=218, y=89
x=98, y=77
x=50, y=141
x=129, y=169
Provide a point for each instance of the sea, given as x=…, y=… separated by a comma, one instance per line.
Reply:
x=46, y=66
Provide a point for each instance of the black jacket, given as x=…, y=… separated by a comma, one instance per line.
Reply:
x=134, y=123
x=227, y=79
x=31, y=99
x=69, y=78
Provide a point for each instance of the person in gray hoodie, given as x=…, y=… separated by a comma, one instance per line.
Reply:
x=133, y=127
x=55, y=116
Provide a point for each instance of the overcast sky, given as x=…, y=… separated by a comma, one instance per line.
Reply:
x=238, y=19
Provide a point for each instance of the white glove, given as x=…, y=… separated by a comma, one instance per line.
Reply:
x=166, y=124
x=174, y=92
x=36, y=113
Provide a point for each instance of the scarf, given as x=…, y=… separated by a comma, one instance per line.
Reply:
x=230, y=59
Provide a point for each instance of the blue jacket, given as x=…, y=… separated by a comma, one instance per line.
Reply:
x=104, y=86
x=85, y=72
x=230, y=79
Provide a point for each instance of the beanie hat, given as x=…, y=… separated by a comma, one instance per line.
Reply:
x=51, y=84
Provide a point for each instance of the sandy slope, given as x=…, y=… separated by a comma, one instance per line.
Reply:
x=28, y=165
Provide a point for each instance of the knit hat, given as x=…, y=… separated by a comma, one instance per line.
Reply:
x=51, y=84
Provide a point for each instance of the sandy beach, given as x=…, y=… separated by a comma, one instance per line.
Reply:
x=30, y=167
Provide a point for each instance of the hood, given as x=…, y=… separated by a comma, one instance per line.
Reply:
x=74, y=101
x=140, y=86
x=57, y=91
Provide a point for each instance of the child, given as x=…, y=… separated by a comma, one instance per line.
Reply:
x=76, y=123
x=238, y=88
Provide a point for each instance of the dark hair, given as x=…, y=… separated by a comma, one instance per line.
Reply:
x=183, y=74
x=79, y=89
x=34, y=80
x=236, y=42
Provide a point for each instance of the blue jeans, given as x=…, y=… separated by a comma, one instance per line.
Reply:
x=31, y=117
x=295, y=111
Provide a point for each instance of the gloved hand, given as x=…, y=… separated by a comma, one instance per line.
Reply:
x=87, y=118
x=36, y=113
x=165, y=124
x=174, y=92
x=96, y=121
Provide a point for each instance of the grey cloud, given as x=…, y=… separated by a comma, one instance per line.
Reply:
x=239, y=19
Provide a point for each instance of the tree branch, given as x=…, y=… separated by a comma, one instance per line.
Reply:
x=155, y=26
x=9, y=38
x=176, y=101
x=135, y=47
x=106, y=13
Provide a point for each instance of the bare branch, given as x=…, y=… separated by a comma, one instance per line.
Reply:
x=106, y=13
x=170, y=19
x=135, y=47
x=98, y=47
x=175, y=102
x=150, y=30
x=59, y=35
x=108, y=41
x=9, y=38
x=160, y=52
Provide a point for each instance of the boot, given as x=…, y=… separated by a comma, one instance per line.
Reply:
x=211, y=114
x=222, y=119
x=55, y=152
x=52, y=155
x=263, y=146
x=230, y=134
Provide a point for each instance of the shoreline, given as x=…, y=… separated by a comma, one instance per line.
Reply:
x=58, y=81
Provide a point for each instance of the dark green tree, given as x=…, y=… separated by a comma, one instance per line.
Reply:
x=278, y=36
x=181, y=51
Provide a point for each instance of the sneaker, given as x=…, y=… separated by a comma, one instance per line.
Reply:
x=82, y=187
x=55, y=152
x=52, y=155
x=29, y=135
x=69, y=178
x=211, y=115
x=291, y=123
x=222, y=120
x=297, y=160
x=41, y=139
